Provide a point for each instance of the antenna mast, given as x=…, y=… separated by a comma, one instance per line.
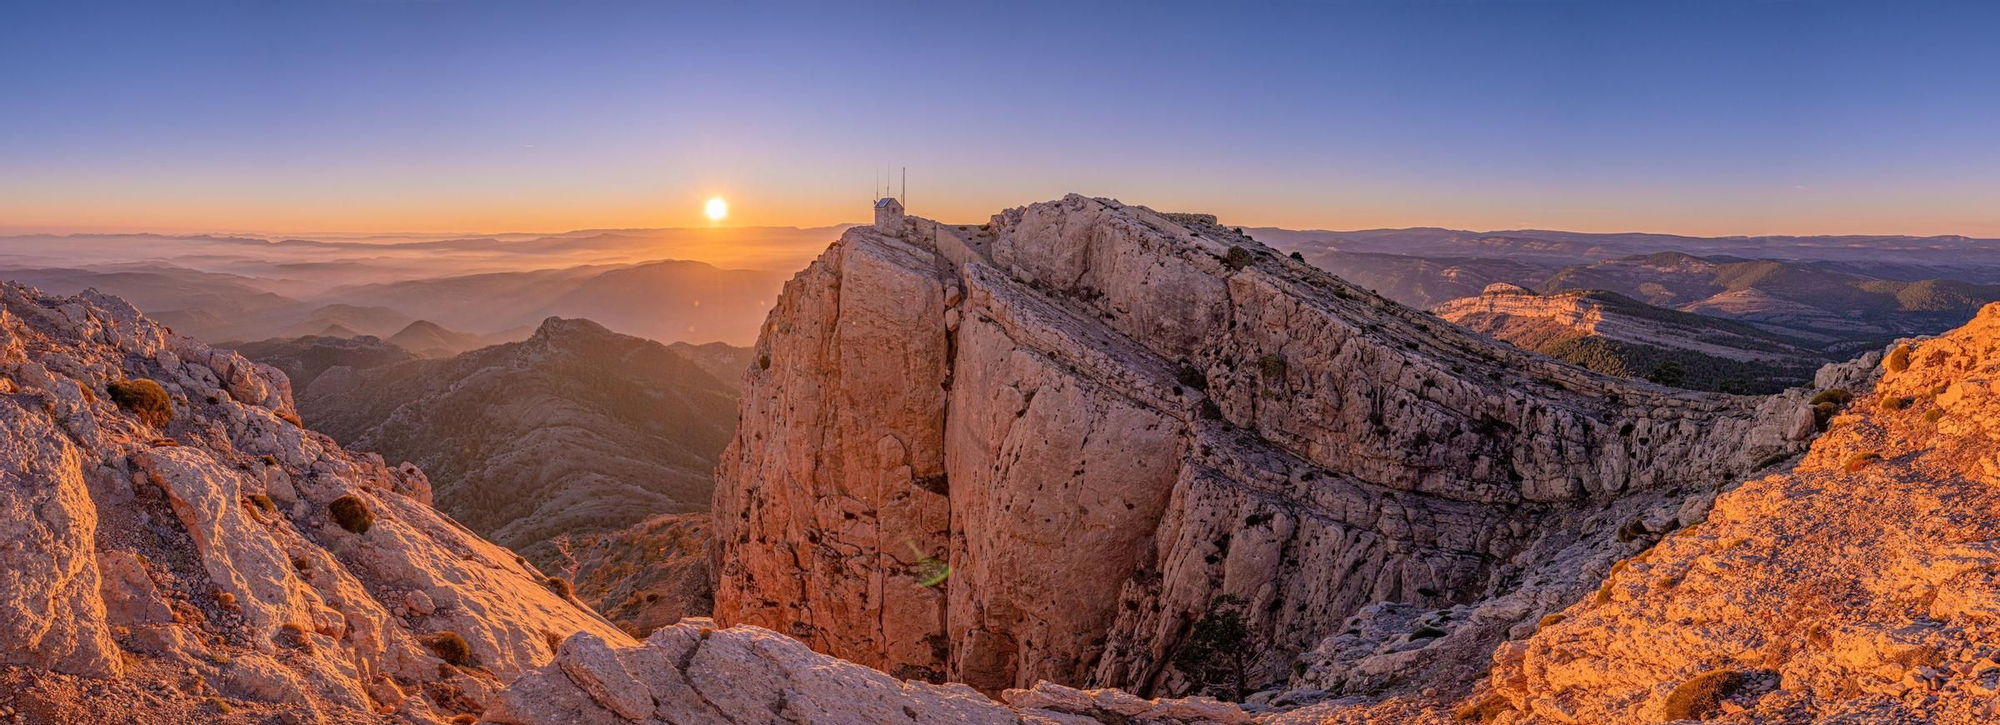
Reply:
x=906, y=188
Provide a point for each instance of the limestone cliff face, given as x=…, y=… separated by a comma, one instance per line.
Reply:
x=1098, y=418
x=168, y=529
x=1860, y=586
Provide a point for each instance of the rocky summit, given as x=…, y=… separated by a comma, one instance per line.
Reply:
x=1086, y=440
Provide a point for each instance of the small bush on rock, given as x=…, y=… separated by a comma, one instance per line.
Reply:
x=1859, y=461
x=1933, y=415
x=1897, y=402
x=561, y=587
x=145, y=399
x=1898, y=360
x=264, y=503
x=351, y=514
x=451, y=648
x=1272, y=365
x=1701, y=696
x=1836, y=396
x=1238, y=258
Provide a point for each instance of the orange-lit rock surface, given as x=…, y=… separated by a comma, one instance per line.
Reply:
x=1861, y=586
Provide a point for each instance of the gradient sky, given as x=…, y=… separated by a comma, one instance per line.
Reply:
x=1690, y=117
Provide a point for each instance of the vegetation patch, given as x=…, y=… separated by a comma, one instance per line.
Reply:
x=560, y=586
x=1217, y=649
x=1238, y=258
x=352, y=514
x=1898, y=360
x=1896, y=402
x=145, y=399
x=1272, y=366
x=1836, y=396
x=263, y=503
x=451, y=648
x=1701, y=697
x=1933, y=415
x=1859, y=461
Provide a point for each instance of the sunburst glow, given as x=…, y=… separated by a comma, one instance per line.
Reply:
x=716, y=209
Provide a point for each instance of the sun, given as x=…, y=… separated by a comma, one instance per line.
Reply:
x=716, y=209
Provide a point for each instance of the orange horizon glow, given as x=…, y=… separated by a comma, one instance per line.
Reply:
x=530, y=219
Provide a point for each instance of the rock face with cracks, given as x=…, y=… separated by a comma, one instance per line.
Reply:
x=1039, y=448
x=192, y=561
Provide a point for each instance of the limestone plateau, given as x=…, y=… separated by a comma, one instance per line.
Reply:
x=1100, y=420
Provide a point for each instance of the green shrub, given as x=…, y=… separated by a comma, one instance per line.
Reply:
x=1669, y=373
x=1217, y=650
x=1933, y=415
x=1823, y=413
x=1898, y=360
x=1238, y=258
x=451, y=648
x=145, y=399
x=1897, y=402
x=1272, y=365
x=264, y=502
x=1296, y=257
x=1701, y=696
x=1837, y=396
x=352, y=514
x=1859, y=461
x=561, y=587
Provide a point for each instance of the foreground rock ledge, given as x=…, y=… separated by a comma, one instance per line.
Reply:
x=693, y=673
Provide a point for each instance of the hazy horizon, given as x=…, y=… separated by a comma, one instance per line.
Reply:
x=1702, y=119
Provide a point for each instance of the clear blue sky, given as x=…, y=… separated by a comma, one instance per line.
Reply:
x=1695, y=117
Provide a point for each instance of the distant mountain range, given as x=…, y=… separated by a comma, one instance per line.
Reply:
x=576, y=430
x=1837, y=307
x=1615, y=334
x=664, y=300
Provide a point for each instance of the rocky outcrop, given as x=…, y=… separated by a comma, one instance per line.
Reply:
x=1041, y=449
x=694, y=673
x=174, y=536
x=575, y=431
x=1857, y=587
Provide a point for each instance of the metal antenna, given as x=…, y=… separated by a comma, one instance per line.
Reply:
x=906, y=188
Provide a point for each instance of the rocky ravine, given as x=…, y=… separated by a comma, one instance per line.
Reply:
x=177, y=547
x=575, y=431
x=1084, y=421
